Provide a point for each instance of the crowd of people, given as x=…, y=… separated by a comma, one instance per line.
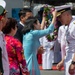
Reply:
x=20, y=42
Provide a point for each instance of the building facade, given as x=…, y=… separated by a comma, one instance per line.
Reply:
x=11, y=4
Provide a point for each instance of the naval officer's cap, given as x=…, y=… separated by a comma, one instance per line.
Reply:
x=62, y=8
x=2, y=8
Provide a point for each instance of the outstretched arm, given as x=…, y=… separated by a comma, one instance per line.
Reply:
x=44, y=19
x=50, y=29
x=43, y=23
x=54, y=17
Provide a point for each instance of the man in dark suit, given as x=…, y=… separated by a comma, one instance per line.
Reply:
x=24, y=14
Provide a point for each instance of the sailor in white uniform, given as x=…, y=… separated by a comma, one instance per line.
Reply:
x=5, y=61
x=70, y=45
x=48, y=55
x=67, y=19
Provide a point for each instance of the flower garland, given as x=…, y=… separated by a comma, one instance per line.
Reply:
x=48, y=15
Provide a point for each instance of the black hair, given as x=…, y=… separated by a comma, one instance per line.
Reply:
x=29, y=24
x=23, y=12
x=40, y=14
x=11, y=23
x=4, y=12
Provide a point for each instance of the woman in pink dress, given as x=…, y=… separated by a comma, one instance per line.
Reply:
x=17, y=61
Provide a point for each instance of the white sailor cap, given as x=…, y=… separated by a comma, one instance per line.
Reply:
x=2, y=3
x=62, y=8
x=2, y=7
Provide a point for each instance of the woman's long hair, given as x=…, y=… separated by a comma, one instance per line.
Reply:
x=29, y=24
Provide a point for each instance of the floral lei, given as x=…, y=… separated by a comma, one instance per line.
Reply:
x=48, y=16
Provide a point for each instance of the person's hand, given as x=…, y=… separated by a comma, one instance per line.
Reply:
x=41, y=50
x=1, y=73
x=60, y=65
x=71, y=69
x=54, y=13
x=52, y=9
x=44, y=17
x=44, y=14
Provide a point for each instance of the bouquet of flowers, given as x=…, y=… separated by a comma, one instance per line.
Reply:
x=48, y=16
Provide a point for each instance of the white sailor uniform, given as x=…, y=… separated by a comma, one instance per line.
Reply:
x=70, y=45
x=48, y=55
x=4, y=54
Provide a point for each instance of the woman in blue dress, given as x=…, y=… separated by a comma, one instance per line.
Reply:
x=32, y=32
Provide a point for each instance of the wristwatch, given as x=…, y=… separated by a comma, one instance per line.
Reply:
x=73, y=62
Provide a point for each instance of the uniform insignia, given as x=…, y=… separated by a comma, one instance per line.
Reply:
x=74, y=22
